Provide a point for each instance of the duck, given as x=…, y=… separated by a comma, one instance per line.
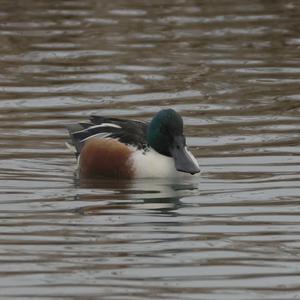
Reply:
x=121, y=148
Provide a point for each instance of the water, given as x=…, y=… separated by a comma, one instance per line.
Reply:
x=231, y=68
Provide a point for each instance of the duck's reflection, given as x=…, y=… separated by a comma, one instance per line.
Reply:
x=155, y=195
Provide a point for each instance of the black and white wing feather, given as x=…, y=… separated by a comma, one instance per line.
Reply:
x=129, y=132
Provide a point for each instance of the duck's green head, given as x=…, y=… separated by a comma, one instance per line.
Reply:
x=165, y=135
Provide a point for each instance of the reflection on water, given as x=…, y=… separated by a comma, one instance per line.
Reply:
x=231, y=68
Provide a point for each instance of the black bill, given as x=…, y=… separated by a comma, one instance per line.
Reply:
x=184, y=159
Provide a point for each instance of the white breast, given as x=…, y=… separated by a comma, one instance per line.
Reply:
x=150, y=164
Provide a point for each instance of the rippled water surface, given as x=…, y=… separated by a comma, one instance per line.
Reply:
x=232, y=69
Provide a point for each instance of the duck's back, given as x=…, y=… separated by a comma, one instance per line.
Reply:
x=106, y=146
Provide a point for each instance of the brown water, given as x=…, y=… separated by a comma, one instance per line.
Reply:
x=232, y=69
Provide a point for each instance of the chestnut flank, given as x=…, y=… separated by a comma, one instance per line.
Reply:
x=105, y=158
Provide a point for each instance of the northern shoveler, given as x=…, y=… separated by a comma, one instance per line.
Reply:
x=112, y=147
